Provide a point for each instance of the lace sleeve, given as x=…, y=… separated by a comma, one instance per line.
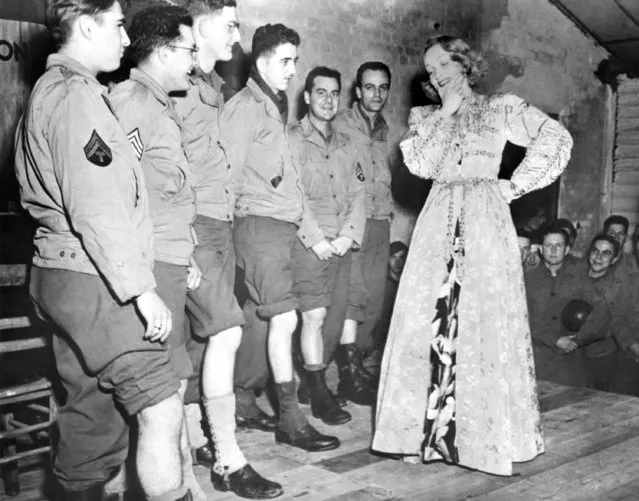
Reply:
x=427, y=141
x=548, y=146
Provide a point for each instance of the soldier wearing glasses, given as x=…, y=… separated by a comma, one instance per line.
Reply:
x=162, y=50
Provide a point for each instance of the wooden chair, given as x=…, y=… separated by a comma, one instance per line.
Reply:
x=28, y=397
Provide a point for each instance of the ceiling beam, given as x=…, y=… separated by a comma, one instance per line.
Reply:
x=621, y=40
x=582, y=27
x=628, y=14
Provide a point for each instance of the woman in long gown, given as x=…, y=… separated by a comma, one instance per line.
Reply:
x=457, y=378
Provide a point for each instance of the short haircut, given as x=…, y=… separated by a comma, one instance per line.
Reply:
x=269, y=37
x=616, y=219
x=603, y=237
x=204, y=7
x=472, y=62
x=554, y=229
x=322, y=71
x=372, y=66
x=61, y=14
x=154, y=27
x=398, y=246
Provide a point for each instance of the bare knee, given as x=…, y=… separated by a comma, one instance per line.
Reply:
x=314, y=317
x=163, y=417
x=226, y=341
x=284, y=322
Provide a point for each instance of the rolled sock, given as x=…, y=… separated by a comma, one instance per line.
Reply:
x=291, y=416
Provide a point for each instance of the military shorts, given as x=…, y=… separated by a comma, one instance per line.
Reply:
x=314, y=279
x=171, y=287
x=212, y=307
x=264, y=250
x=106, y=336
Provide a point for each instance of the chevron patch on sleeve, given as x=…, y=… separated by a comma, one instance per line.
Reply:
x=136, y=142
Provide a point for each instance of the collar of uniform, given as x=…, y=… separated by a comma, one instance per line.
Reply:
x=261, y=97
x=150, y=83
x=377, y=131
x=314, y=135
x=209, y=86
x=72, y=65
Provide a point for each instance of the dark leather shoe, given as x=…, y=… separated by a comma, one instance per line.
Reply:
x=204, y=455
x=246, y=483
x=329, y=411
x=323, y=404
x=307, y=438
x=262, y=421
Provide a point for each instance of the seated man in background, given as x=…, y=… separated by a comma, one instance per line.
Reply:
x=624, y=309
x=530, y=257
x=601, y=355
x=549, y=288
x=617, y=227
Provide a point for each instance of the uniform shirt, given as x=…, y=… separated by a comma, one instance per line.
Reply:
x=333, y=182
x=154, y=130
x=211, y=174
x=266, y=181
x=620, y=293
x=625, y=266
x=547, y=296
x=80, y=180
x=372, y=142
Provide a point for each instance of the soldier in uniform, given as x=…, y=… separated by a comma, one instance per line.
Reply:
x=333, y=181
x=268, y=211
x=162, y=50
x=366, y=126
x=93, y=265
x=215, y=316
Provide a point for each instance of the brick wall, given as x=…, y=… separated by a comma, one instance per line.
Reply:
x=533, y=50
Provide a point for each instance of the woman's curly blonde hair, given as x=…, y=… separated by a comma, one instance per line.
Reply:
x=473, y=63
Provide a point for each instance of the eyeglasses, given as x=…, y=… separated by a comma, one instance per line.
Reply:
x=192, y=50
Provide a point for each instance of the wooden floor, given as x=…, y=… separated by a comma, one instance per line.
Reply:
x=592, y=443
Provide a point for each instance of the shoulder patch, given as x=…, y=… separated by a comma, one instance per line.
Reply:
x=359, y=172
x=136, y=142
x=97, y=151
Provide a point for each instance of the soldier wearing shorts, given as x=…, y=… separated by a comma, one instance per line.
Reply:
x=213, y=311
x=162, y=48
x=333, y=181
x=268, y=211
x=92, y=271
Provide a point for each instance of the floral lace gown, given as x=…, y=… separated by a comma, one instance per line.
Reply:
x=457, y=378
